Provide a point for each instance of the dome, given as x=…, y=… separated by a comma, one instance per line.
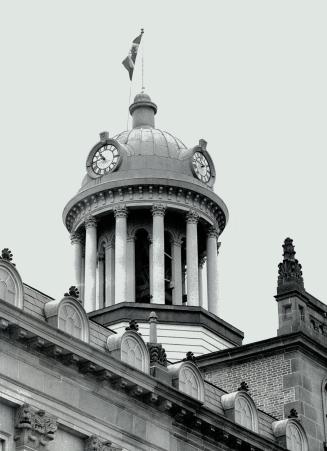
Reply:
x=151, y=141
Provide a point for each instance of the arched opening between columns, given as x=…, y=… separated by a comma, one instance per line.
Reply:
x=142, y=266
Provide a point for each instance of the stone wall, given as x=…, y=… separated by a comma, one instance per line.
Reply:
x=278, y=383
x=265, y=377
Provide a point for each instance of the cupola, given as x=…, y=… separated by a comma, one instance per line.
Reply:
x=145, y=229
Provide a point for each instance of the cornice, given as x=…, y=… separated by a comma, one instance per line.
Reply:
x=19, y=327
x=253, y=351
x=182, y=196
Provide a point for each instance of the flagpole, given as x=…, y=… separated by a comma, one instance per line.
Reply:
x=129, y=102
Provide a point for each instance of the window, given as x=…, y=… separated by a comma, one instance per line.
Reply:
x=69, y=316
x=11, y=285
x=130, y=348
x=187, y=378
x=243, y=413
x=240, y=408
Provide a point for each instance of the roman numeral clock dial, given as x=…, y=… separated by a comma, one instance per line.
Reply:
x=201, y=167
x=103, y=159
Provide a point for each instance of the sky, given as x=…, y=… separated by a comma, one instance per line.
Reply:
x=247, y=76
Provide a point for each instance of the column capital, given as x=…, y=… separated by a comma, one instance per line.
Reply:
x=76, y=238
x=120, y=211
x=202, y=261
x=177, y=241
x=90, y=221
x=213, y=232
x=158, y=210
x=192, y=217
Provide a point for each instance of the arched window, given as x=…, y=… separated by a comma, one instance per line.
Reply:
x=240, y=408
x=11, y=285
x=290, y=434
x=187, y=378
x=243, y=413
x=131, y=349
x=131, y=352
x=69, y=316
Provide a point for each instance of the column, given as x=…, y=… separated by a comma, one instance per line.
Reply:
x=150, y=269
x=201, y=263
x=212, y=270
x=192, y=260
x=120, y=254
x=77, y=243
x=176, y=252
x=90, y=263
x=158, y=256
x=101, y=281
x=109, y=258
x=131, y=269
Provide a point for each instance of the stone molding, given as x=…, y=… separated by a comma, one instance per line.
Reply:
x=120, y=211
x=158, y=210
x=173, y=197
x=34, y=428
x=90, y=221
x=192, y=217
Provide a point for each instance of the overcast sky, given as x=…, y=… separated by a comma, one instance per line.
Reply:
x=248, y=76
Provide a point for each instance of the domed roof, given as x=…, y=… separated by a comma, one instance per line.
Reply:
x=151, y=141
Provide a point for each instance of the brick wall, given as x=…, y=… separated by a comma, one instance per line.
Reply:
x=265, y=379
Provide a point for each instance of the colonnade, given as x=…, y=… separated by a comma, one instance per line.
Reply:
x=117, y=283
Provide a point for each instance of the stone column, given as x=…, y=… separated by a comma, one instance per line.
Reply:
x=192, y=259
x=158, y=256
x=120, y=255
x=90, y=263
x=131, y=269
x=176, y=251
x=201, y=263
x=109, y=257
x=150, y=269
x=100, y=300
x=77, y=243
x=212, y=270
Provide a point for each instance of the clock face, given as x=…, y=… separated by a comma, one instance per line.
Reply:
x=201, y=167
x=105, y=159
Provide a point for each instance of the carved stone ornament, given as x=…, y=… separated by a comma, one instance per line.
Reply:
x=290, y=275
x=34, y=428
x=158, y=210
x=190, y=357
x=192, y=217
x=133, y=326
x=76, y=238
x=213, y=232
x=243, y=386
x=157, y=354
x=90, y=221
x=120, y=211
x=6, y=254
x=73, y=292
x=94, y=443
x=293, y=414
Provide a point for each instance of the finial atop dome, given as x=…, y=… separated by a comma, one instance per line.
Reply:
x=143, y=110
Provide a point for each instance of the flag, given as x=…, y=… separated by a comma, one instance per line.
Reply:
x=129, y=61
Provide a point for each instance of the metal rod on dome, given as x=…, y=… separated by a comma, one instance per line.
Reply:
x=129, y=102
x=143, y=87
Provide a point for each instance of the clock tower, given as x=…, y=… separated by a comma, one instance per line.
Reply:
x=144, y=228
